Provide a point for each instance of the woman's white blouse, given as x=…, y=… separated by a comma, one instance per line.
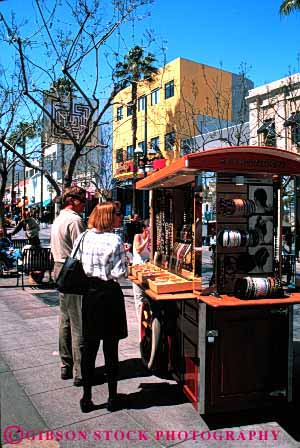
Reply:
x=102, y=255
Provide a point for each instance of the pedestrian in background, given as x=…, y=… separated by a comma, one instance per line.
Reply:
x=141, y=254
x=31, y=228
x=103, y=309
x=64, y=231
x=132, y=228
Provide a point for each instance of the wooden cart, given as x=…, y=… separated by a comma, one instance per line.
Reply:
x=221, y=284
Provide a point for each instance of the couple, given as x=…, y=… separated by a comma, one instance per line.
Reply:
x=100, y=313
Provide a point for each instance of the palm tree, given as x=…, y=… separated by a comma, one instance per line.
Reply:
x=288, y=6
x=133, y=69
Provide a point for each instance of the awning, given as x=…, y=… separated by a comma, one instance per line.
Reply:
x=233, y=159
x=293, y=119
x=266, y=127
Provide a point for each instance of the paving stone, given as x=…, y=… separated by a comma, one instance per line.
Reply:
x=30, y=313
x=252, y=436
x=42, y=378
x=28, y=339
x=60, y=407
x=161, y=407
x=3, y=365
x=17, y=410
x=32, y=357
x=123, y=432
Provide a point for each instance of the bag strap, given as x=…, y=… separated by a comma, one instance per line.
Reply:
x=77, y=247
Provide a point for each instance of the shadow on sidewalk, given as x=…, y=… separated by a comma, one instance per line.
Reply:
x=155, y=394
x=150, y=394
x=129, y=368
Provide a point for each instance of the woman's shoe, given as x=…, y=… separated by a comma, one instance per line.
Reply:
x=112, y=404
x=86, y=405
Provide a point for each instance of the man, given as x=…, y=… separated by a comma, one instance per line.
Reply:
x=31, y=227
x=65, y=229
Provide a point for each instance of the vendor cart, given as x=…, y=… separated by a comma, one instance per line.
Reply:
x=220, y=287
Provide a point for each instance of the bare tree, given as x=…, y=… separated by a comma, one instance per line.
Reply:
x=215, y=123
x=60, y=62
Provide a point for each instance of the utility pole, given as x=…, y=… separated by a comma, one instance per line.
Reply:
x=42, y=178
x=144, y=193
x=62, y=147
x=12, y=188
x=24, y=175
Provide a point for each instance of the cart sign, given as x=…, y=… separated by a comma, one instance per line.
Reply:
x=69, y=118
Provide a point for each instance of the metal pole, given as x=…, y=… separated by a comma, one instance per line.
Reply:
x=133, y=184
x=51, y=172
x=12, y=189
x=42, y=181
x=145, y=154
x=24, y=176
x=62, y=147
x=18, y=180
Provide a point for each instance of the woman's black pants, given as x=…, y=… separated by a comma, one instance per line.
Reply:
x=88, y=358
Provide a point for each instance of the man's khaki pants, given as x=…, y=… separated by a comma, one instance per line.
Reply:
x=70, y=328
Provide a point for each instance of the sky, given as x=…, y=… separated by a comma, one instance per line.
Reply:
x=228, y=33
x=223, y=34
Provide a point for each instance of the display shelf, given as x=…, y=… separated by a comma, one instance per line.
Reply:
x=170, y=284
x=231, y=301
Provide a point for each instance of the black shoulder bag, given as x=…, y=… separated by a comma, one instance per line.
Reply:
x=72, y=278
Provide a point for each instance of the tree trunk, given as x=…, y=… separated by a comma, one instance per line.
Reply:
x=2, y=194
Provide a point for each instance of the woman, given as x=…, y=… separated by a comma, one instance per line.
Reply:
x=141, y=245
x=103, y=309
x=141, y=254
x=8, y=254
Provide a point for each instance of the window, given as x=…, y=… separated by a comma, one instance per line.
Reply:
x=154, y=143
x=141, y=147
x=119, y=155
x=155, y=94
x=142, y=103
x=119, y=113
x=294, y=123
x=295, y=133
x=169, y=89
x=186, y=146
x=169, y=141
x=267, y=129
x=129, y=110
x=129, y=154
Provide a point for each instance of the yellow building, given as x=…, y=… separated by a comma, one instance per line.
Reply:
x=182, y=100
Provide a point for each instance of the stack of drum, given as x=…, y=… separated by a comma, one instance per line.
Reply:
x=238, y=238
x=236, y=207
x=258, y=287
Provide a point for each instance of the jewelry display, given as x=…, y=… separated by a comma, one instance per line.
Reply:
x=236, y=207
x=258, y=287
x=173, y=245
x=238, y=238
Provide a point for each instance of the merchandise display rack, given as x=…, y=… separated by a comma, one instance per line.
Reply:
x=221, y=283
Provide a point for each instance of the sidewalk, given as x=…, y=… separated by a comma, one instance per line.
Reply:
x=34, y=398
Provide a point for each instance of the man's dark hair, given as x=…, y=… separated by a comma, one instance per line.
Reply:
x=73, y=193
